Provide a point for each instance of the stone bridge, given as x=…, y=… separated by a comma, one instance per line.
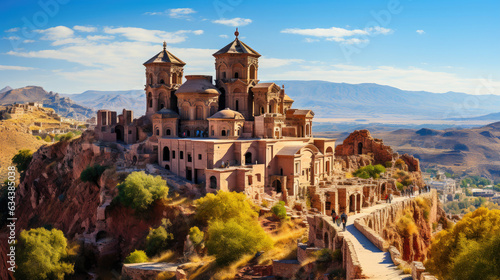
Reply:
x=366, y=255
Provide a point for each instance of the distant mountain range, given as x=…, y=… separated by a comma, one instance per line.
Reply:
x=341, y=100
x=112, y=100
x=326, y=99
x=62, y=105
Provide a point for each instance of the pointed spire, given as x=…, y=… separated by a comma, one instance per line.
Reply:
x=236, y=33
x=164, y=45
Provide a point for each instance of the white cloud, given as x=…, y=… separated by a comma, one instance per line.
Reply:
x=99, y=37
x=146, y=35
x=338, y=34
x=18, y=68
x=84, y=28
x=223, y=36
x=28, y=41
x=14, y=29
x=180, y=12
x=235, y=22
x=56, y=33
x=311, y=40
x=12, y=38
x=420, y=32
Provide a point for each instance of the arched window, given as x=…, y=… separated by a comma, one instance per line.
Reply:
x=167, y=167
x=261, y=110
x=213, y=182
x=162, y=81
x=166, y=154
x=228, y=133
x=168, y=132
x=329, y=150
x=174, y=78
x=223, y=75
x=199, y=113
x=236, y=75
x=223, y=133
x=157, y=131
x=236, y=105
x=253, y=72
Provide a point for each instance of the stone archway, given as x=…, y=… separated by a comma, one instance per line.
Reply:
x=119, y=133
x=352, y=203
x=248, y=158
x=277, y=186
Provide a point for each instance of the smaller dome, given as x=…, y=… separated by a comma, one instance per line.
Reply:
x=198, y=84
x=166, y=113
x=227, y=114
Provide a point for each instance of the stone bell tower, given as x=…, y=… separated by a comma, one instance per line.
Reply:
x=164, y=73
x=236, y=68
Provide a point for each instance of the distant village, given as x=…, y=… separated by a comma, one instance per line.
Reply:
x=40, y=120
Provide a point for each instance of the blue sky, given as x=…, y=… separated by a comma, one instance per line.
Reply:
x=69, y=46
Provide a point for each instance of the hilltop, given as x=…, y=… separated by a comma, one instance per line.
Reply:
x=112, y=100
x=471, y=151
x=62, y=105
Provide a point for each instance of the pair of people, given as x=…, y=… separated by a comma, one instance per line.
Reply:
x=338, y=219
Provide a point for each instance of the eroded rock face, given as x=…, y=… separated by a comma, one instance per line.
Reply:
x=52, y=194
x=360, y=142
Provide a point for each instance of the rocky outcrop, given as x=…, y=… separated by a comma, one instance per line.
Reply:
x=52, y=195
x=361, y=142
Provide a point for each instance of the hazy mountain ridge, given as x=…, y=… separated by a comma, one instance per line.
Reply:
x=112, y=100
x=64, y=106
x=365, y=100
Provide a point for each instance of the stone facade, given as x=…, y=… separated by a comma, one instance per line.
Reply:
x=232, y=134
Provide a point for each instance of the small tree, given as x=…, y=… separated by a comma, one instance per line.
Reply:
x=230, y=240
x=47, y=139
x=224, y=206
x=369, y=171
x=158, y=239
x=196, y=236
x=41, y=254
x=279, y=210
x=22, y=159
x=140, y=190
x=137, y=256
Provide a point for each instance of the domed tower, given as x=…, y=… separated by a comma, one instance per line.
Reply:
x=164, y=73
x=197, y=99
x=236, y=68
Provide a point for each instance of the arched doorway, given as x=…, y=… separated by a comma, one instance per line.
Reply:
x=213, y=182
x=167, y=167
x=119, y=133
x=277, y=186
x=166, y=154
x=352, y=203
x=326, y=240
x=248, y=158
x=360, y=148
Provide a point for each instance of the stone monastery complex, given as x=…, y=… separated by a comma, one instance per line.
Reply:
x=236, y=134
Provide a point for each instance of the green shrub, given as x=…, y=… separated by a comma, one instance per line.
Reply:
x=42, y=254
x=158, y=239
x=224, y=206
x=22, y=159
x=399, y=186
x=66, y=137
x=196, y=236
x=324, y=255
x=230, y=240
x=136, y=256
x=92, y=173
x=140, y=190
x=388, y=164
x=369, y=171
x=233, y=227
x=47, y=139
x=279, y=210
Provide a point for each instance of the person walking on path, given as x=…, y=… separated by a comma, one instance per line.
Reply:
x=343, y=217
x=391, y=197
x=334, y=216
x=386, y=198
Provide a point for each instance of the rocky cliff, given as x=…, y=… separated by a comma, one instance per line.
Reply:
x=52, y=195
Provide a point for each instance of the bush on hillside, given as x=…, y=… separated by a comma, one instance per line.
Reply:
x=140, y=190
x=137, y=256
